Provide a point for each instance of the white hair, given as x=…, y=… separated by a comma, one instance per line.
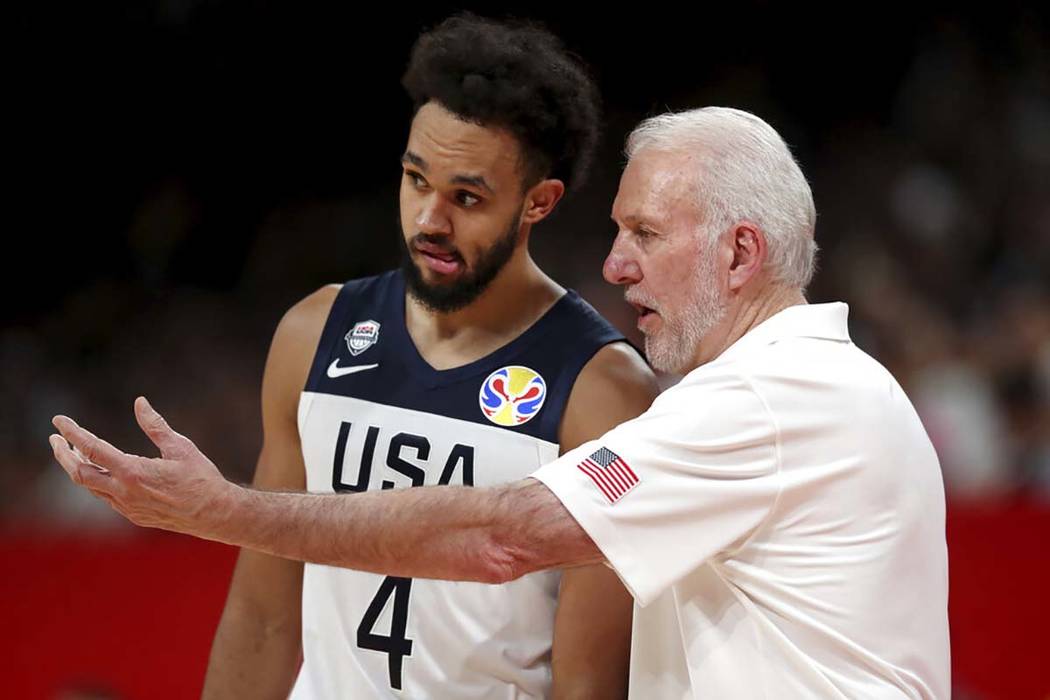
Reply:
x=746, y=172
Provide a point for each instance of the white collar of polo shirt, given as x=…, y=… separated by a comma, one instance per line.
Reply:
x=825, y=321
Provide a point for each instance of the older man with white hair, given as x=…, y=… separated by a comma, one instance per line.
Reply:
x=778, y=515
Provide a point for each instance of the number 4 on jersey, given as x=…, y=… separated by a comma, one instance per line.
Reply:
x=396, y=645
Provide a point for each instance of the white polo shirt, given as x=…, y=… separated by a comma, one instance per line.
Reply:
x=779, y=518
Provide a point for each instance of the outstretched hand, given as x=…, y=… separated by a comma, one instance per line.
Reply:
x=182, y=490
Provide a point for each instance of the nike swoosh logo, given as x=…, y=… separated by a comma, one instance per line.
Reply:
x=334, y=370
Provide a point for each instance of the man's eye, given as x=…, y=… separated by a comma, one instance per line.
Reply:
x=468, y=199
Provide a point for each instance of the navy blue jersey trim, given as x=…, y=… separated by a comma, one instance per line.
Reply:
x=393, y=373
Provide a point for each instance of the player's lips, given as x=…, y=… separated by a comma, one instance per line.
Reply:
x=438, y=258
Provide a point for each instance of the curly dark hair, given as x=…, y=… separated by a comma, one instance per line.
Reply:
x=515, y=75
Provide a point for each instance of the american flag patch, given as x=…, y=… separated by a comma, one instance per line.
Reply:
x=610, y=474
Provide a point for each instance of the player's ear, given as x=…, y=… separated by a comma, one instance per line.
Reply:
x=541, y=199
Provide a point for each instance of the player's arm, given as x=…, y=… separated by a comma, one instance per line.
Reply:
x=257, y=646
x=592, y=628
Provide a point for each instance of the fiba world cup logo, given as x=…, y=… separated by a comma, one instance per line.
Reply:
x=512, y=395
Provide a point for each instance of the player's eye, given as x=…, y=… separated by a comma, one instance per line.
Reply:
x=467, y=199
x=418, y=181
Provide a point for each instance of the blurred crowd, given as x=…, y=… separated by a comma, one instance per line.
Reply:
x=934, y=225
x=942, y=245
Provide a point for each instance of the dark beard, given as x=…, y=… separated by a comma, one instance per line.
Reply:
x=445, y=298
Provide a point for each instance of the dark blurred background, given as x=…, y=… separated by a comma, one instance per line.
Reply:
x=183, y=171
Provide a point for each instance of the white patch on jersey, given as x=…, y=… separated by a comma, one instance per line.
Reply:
x=362, y=336
x=468, y=640
x=499, y=456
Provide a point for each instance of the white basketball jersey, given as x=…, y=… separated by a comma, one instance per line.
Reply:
x=374, y=415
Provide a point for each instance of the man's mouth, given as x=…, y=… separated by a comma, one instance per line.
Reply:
x=642, y=309
x=646, y=315
x=440, y=259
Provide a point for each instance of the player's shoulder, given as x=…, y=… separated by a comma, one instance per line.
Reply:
x=614, y=386
x=296, y=338
x=618, y=368
x=307, y=317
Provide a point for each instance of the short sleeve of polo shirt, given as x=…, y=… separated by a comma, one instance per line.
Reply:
x=696, y=475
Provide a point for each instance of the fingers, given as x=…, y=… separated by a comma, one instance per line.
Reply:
x=171, y=444
x=92, y=448
x=82, y=472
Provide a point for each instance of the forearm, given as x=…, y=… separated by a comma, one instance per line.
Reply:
x=257, y=645
x=592, y=635
x=252, y=657
x=454, y=533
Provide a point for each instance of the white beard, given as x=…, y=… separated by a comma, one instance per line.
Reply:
x=673, y=347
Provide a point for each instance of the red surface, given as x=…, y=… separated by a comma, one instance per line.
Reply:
x=132, y=614
x=135, y=613
x=999, y=600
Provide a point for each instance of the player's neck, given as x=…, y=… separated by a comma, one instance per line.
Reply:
x=519, y=295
